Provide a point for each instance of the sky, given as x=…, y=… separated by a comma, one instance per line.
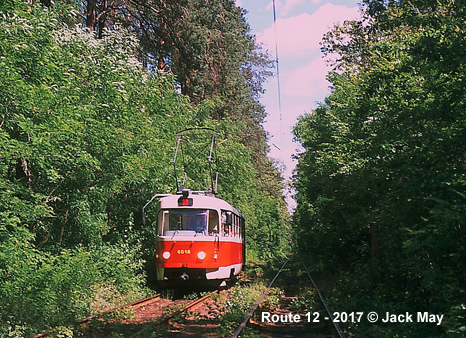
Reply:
x=300, y=26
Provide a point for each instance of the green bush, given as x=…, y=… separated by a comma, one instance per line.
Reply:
x=41, y=290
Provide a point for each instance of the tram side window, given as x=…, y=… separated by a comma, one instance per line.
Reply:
x=235, y=225
x=162, y=222
x=231, y=224
x=240, y=232
x=238, y=226
x=241, y=227
x=226, y=223
x=213, y=222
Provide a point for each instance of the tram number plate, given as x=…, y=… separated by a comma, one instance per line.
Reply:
x=184, y=252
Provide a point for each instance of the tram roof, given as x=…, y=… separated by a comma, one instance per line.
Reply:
x=200, y=201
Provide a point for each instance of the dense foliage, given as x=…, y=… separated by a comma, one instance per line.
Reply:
x=381, y=181
x=86, y=138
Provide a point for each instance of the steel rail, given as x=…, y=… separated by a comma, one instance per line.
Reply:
x=254, y=308
x=330, y=315
x=169, y=316
x=135, y=304
x=329, y=312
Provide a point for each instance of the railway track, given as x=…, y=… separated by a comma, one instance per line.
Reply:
x=288, y=319
x=143, y=318
x=135, y=305
x=301, y=311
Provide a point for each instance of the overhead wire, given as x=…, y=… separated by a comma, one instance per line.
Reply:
x=278, y=77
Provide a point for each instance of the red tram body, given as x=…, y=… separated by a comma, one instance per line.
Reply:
x=199, y=238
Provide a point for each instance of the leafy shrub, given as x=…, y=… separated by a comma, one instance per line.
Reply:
x=240, y=302
x=43, y=290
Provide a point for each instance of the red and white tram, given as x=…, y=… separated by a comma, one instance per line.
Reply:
x=199, y=237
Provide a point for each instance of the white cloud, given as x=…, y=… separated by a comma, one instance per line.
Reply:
x=303, y=33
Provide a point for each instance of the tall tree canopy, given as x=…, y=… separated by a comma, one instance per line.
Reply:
x=381, y=181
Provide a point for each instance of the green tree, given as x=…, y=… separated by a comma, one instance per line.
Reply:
x=82, y=125
x=381, y=181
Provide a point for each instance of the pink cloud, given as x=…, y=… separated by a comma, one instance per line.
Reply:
x=308, y=81
x=303, y=33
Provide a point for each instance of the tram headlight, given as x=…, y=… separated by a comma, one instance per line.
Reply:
x=201, y=255
x=166, y=255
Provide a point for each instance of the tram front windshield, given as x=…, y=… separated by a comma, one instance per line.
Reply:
x=182, y=221
x=188, y=222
